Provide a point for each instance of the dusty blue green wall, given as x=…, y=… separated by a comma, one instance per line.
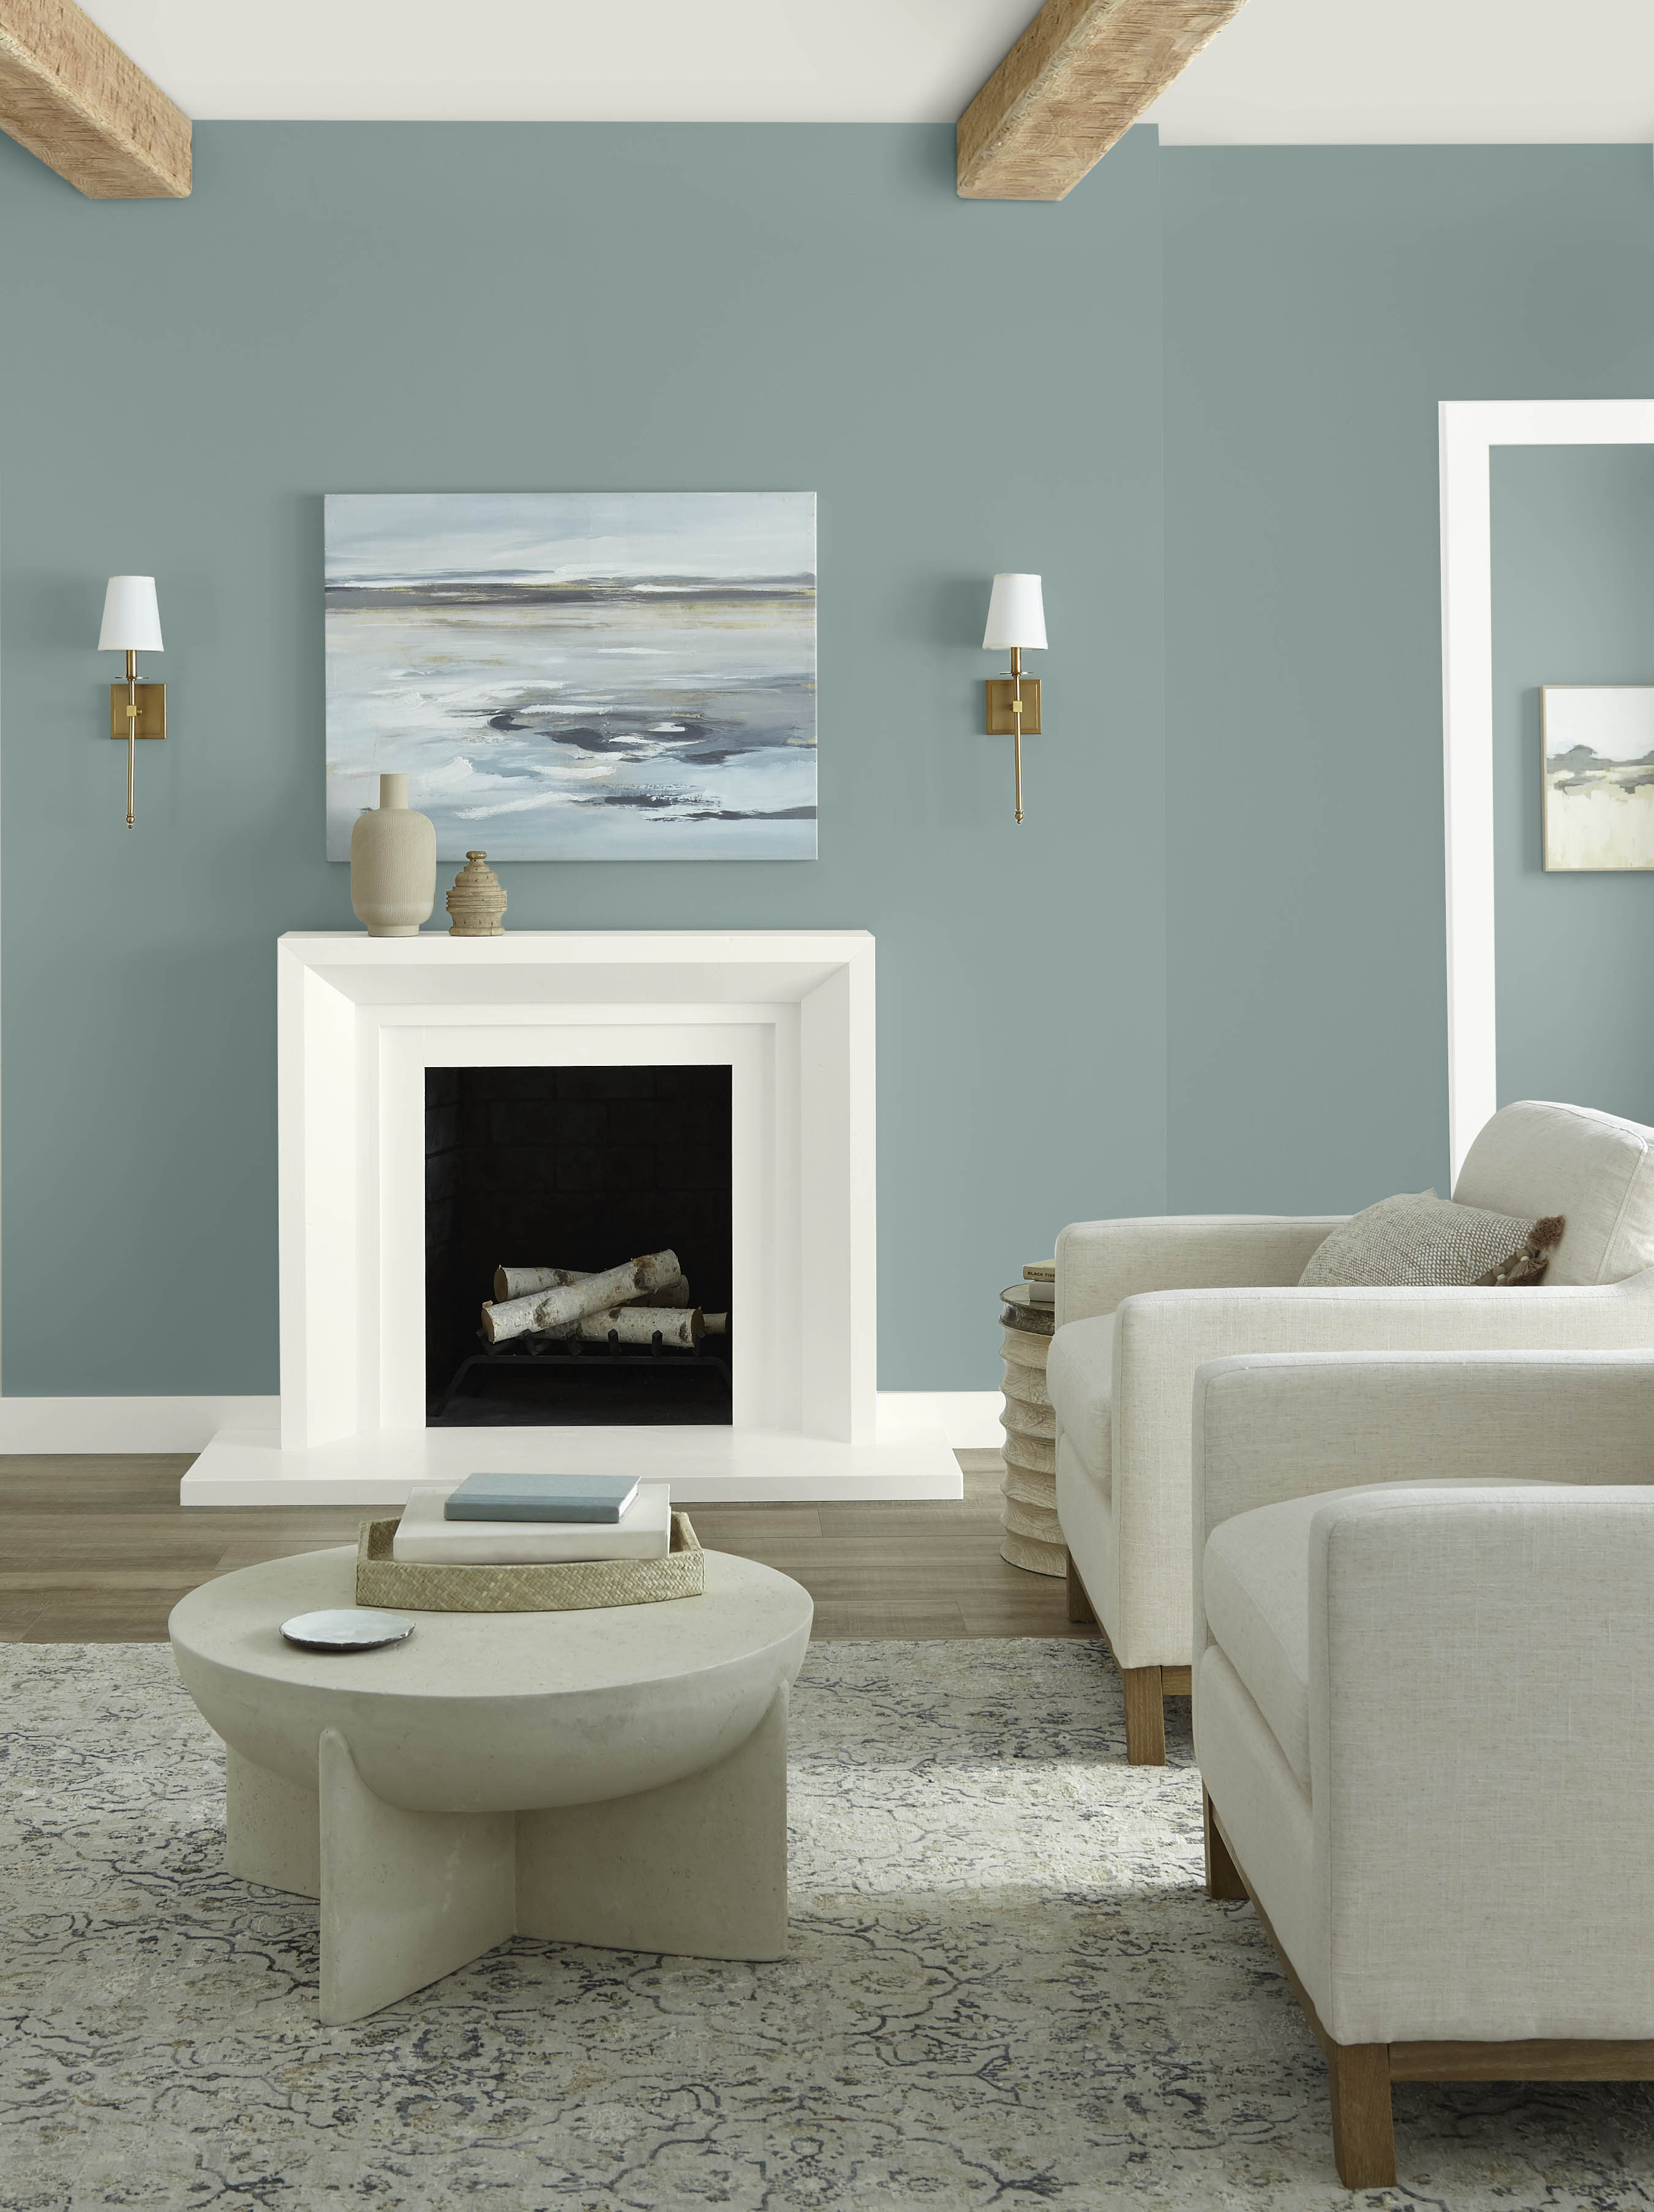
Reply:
x=966, y=386
x=1320, y=303
x=1573, y=602
x=1251, y=989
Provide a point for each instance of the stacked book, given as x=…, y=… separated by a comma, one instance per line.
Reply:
x=529, y=1519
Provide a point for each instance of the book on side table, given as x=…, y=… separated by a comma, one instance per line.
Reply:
x=430, y=1531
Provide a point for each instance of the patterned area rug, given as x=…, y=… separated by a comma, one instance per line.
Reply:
x=1007, y=1988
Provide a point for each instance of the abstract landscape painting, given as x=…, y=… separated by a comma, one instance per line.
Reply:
x=1599, y=776
x=577, y=676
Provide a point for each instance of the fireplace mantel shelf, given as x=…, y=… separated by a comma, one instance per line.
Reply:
x=611, y=944
x=360, y=1018
x=761, y=950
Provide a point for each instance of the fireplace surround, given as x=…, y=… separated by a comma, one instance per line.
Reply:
x=789, y=1014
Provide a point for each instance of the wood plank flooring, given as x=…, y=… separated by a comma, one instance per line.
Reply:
x=99, y=1551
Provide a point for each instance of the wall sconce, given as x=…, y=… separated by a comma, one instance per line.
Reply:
x=131, y=625
x=1016, y=619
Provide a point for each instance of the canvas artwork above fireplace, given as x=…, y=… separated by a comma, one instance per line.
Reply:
x=576, y=676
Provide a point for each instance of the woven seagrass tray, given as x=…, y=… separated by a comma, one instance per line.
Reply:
x=569, y=1586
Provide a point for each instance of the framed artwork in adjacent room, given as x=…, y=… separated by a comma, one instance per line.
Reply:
x=576, y=676
x=1598, y=745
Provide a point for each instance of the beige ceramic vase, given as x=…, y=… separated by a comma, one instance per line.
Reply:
x=392, y=864
x=477, y=901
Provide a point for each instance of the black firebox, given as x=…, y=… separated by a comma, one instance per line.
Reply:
x=581, y=1168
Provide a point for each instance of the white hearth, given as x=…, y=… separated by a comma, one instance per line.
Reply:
x=361, y=1019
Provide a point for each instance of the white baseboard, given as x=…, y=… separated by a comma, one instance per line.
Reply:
x=127, y=1424
x=967, y=1419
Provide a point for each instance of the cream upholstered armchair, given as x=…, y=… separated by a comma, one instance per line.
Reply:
x=1424, y=1615
x=1141, y=1304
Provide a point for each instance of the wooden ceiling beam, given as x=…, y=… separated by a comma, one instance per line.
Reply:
x=71, y=96
x=1076, y=81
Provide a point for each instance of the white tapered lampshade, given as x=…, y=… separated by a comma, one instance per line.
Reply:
x=131, y=617
x=1016, y=614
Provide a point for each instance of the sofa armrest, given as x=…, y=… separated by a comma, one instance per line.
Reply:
x=1099, y=1263
x=1271, y=1426
x=1482, y=1790
x=1162, y=1337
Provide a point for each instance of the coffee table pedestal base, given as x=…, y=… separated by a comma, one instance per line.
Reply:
x=697, y=1869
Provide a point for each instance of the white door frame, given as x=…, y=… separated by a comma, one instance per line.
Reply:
x=1469, y=431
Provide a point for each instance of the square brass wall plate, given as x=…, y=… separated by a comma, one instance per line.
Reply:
x=152, y=710
x=1001, y=722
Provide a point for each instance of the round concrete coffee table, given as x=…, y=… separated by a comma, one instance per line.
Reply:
x=617, y=1778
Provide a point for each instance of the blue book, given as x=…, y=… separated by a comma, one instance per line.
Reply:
x=602, y=1498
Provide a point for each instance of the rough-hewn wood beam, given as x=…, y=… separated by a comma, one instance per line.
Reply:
x=1079, y=76
x=70, y=95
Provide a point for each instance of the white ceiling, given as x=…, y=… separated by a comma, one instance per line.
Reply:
x=1284, y=72
x=1409, y=72
x=749, y=61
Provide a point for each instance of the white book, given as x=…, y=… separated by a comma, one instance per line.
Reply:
x=643, y=1532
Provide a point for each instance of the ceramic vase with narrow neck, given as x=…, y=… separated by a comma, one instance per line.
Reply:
x=392, y=864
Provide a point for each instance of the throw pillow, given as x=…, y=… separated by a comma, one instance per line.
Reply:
x=1420, y=1238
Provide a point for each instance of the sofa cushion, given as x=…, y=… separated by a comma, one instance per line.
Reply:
x=1535, y=1158
x=1255, y=1584
x=1420, y=1238
x=1079, y=1380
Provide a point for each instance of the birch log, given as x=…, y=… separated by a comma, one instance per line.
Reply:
x=639, y=1324
x=521, y=1282
x=524, y=1282
x=717, y=1324
x=544, y=1309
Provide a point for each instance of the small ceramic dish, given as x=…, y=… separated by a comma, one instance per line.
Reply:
x=348, y=1628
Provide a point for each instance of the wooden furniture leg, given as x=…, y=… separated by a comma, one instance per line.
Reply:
x=1146, y=1717
x=1222, y=1875
x=1079, y=1605
x=1146, y=1687
x=1363, y=2137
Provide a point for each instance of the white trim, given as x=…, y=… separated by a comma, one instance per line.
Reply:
x=791, y=1012
x=1469, y=429
x=126, y=1424
x=764, y=1241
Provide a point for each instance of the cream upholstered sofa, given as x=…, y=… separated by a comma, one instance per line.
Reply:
x=1422, y=1712
x=1141, y=1304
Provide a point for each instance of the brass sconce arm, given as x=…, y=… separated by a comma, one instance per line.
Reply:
x=1014, y=711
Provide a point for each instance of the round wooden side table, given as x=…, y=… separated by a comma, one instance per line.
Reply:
x=1033, y=1538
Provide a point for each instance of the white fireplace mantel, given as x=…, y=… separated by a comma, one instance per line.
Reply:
x=361, y=1019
